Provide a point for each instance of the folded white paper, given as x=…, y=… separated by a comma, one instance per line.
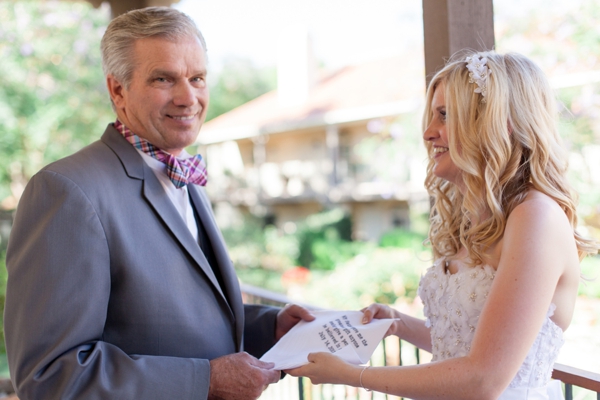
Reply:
x=339, y=332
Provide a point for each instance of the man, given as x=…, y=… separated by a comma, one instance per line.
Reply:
x=119, y=284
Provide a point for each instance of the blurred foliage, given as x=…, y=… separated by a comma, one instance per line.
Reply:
x=320, y=242
x=377, y=274
x=356, y=274
x=236, y=83
x=54, y=102
x=325, y=240
x=590, y=272
x=260, y=253
x=342, y=273
x=564, y=39
x=403, y=239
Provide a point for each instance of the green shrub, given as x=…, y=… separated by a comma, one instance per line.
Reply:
x=377, y=274
x=403, y=238
x=325, y=240
x=328, y=254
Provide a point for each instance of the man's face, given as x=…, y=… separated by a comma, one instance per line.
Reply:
x=167, y=98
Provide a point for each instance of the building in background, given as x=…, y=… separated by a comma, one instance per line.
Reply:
x=350, y=138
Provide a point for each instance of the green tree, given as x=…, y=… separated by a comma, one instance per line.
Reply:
x=236, y=83
x=53, y=99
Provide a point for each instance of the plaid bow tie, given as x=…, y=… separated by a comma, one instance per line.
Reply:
x=180, y=171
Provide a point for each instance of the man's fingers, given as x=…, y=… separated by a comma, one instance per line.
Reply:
x=261, y=364
x=289, y=316
x=300, y=312
x=266, y=368
x=270, y=375
x=305, y=314
x=256, y=362
x=273, y=376
x=240, y=376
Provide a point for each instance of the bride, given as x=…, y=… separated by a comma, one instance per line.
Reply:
x=503, y=287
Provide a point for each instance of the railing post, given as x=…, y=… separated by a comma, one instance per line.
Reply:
x=300, y=389
x=417, y=355
x=568, y=391
x=400, y=352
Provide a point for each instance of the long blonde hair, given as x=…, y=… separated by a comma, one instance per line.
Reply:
x=504, y=146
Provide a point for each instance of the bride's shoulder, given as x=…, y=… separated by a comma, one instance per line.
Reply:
x=540, y=213
x=537, y=203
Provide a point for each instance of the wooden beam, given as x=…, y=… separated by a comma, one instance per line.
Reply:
x=453, y=25
x=118, y=7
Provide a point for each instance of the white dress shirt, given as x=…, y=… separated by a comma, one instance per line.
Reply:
x=179, y=197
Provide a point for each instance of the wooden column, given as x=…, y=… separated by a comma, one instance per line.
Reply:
x=332, y=141
x=453, y=25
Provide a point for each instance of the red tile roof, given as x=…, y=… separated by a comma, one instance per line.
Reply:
x=384, y=84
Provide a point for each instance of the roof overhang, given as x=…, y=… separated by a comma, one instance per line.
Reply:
x=334, y=117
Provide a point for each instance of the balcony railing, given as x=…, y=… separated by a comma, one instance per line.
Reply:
x=585, y=385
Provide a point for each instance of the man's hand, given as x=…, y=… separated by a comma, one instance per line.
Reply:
x=289, y=316
x=240, y=376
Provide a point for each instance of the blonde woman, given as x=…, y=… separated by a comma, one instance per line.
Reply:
x=502, y=289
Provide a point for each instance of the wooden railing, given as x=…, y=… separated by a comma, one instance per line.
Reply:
x=575, y=381
x=571, y=376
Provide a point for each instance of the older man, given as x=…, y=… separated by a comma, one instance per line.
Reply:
x=119, y=284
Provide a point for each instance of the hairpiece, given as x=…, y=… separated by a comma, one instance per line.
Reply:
x=478, y=73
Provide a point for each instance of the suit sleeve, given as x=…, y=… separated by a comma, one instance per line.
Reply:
x=259, y=328
x=58, y=289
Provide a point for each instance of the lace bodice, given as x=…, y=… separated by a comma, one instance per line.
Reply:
x=453, y=304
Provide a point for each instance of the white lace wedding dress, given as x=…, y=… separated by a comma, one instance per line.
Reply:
x=453, y=303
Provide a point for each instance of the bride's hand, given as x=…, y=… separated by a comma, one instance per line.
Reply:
x=325, y=368
x=380, y=311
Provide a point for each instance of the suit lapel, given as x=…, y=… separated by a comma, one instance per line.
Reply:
x=230, y=281
x=156, y=196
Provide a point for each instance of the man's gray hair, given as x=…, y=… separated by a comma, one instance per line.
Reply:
x=121, y=34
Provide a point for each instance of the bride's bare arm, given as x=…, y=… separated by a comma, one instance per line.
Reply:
x=408, y=328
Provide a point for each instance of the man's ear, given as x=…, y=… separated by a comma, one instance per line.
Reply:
x=115, y=90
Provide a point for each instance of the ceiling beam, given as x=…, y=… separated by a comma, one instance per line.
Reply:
x=118, y=7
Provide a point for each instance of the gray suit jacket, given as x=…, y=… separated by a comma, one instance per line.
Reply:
x=109, y=295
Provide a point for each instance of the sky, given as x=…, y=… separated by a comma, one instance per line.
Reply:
x=343, y=32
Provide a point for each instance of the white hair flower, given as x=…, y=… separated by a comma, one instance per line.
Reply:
x=478, y=73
